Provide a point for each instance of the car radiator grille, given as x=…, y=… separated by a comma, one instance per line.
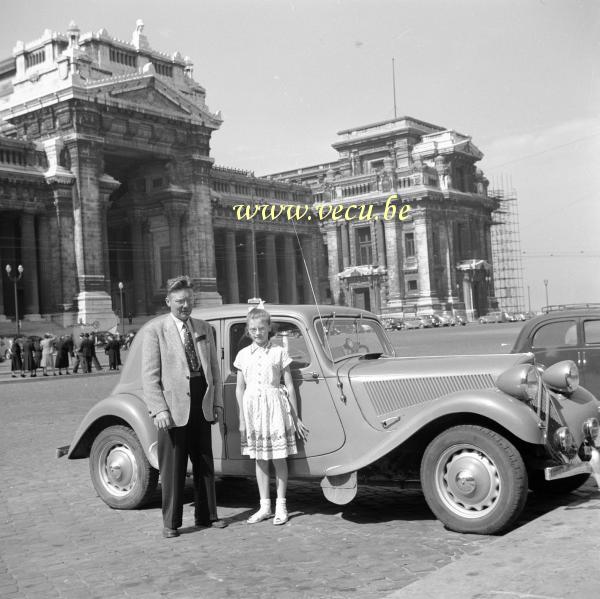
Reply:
x=389, y=396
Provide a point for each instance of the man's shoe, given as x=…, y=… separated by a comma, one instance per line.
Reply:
x=212, y=524
x=169, y=533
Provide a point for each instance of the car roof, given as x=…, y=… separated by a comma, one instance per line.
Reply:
x=553, y=315
x=308, y=311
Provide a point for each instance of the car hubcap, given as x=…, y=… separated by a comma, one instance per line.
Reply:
x=467, y=481
x=117, y=469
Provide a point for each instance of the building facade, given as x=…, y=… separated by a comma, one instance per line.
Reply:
x=106, y=178
x=413, y=235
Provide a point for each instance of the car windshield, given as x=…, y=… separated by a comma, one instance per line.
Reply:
x=343, y=336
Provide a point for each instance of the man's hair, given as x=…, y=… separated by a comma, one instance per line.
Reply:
x=178, y=283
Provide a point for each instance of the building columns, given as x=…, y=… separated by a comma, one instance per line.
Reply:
x=231, y=268
x=395, y=260
x=31, y=302
x=46, y=266
x=332, y=263
x=307, y=244
x=289, y=273
x=272, y=278
x=137, y=221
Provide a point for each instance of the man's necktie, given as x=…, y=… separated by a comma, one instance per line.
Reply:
x=190, y=350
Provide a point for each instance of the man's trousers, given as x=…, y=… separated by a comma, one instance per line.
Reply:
x=174, y=447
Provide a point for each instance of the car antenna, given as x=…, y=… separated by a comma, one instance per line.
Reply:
x=312, y=289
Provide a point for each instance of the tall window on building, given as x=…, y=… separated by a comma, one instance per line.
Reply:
x=364, y=246
x=409, y=245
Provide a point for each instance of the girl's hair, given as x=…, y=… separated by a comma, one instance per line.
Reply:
x=258, y=314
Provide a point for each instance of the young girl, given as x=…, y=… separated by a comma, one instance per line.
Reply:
x=268, y=414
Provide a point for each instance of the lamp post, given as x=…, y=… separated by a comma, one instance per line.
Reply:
x=14, y=278
x=122, y=315
x=546, y=285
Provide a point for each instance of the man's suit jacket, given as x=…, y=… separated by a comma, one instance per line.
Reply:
x=86, y=348
x=166, y=374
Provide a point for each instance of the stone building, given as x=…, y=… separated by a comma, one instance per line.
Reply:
x=414, y=229
x=106, y=178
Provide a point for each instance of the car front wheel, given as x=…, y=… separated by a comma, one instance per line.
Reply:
x=120, y=471
x=474, y=480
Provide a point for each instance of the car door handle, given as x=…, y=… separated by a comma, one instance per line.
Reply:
x=312, y=375
x=583, y=360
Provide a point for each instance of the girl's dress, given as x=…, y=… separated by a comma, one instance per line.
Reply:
x=270, y=431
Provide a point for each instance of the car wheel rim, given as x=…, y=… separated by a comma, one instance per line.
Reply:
x=467, y=481
x=117, y=466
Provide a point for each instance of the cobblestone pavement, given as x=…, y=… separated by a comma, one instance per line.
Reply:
x=58, y=539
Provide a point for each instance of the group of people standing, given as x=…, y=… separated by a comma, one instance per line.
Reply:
x=53, y=353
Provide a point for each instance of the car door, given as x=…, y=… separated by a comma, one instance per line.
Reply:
x=554, y=341
x=315, y=403
x=590, y=355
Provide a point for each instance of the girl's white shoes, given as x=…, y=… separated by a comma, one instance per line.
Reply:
x=281, y=514
x=263, y=513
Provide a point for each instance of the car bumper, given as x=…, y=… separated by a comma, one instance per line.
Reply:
x=566, y=470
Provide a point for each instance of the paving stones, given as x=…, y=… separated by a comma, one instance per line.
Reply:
x=58, y=539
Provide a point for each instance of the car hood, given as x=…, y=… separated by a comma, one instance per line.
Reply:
x=387, y=386
x=433, y=366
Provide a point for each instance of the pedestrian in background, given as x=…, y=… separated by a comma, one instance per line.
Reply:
x=79, y=361
x=269, y=419
x=29, y=356
x=47, y=360
x=112, y=351
x=62, y=355
x=16, y=359
x=37, y=352
x=87, y=351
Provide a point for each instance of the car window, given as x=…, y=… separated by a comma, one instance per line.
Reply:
x=591, y=332
x=285, y=334
x=556, y=334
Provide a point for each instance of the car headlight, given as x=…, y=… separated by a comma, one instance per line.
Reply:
x=564, y=440
x=562, y=376
x=522, y=382
x=591, y=431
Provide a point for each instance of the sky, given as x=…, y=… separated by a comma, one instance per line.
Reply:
x=519, y=76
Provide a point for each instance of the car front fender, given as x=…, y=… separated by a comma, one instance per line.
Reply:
x=116, y=409
x=493, y=405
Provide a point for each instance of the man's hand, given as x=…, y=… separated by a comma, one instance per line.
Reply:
x=163, y=420
x=218, y=413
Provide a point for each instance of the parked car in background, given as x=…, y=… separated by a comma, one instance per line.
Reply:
x=476, y=431
x=565, y=335
x=414, y=322
x=442, y=320
x=491, y=317
x=392, y=324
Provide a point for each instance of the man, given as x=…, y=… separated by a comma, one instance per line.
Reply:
x=78, y=355
x=87, y=351
x=183, y=392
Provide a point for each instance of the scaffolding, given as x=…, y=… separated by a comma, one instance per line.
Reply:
x=506, y=251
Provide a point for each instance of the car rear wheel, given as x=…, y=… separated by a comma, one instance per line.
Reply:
x=120, y=471
x=474, y=480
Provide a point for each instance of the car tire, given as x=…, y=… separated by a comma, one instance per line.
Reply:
x=474, y=480
x=120, y=471
x=560, y=486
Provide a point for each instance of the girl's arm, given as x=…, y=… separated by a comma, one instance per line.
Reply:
x=301, y=430
x=239, y=395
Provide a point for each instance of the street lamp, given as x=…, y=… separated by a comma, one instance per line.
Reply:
x=14, y=278
x=546, y=284
x=122, y=315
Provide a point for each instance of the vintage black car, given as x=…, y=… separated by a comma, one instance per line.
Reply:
x=569, y=334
